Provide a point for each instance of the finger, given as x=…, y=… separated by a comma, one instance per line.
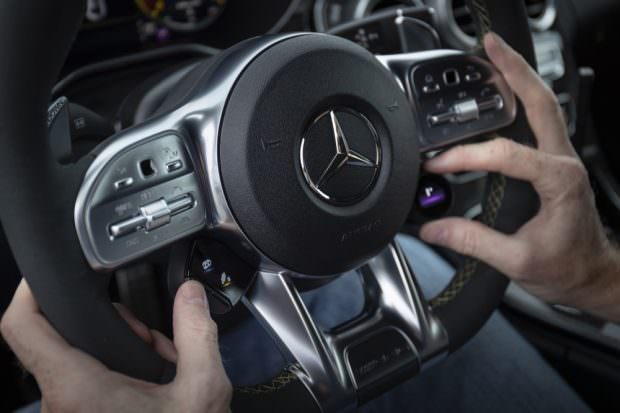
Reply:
x=137, y=326
x=38, y=346
x=160, y=343
x=164, y=346
x=543, y=111
x=498, y=155
x=473, y=239
x=195, y=338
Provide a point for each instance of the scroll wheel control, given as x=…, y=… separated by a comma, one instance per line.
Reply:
x=152, y=216
x=466, y=110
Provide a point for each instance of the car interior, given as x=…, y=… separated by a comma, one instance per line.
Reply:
x=145, y=91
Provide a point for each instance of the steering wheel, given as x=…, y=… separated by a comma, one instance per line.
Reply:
x=299, y=152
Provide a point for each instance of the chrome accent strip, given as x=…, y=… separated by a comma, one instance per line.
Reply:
x=275, y=302
x=401, y=298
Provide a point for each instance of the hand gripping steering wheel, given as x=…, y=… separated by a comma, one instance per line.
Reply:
x=300, y=152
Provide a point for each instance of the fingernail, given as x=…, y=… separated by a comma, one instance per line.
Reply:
x=193, y=293
x=433, y=234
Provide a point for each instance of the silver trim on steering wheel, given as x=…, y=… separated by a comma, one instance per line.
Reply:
x=394, y=303
x=200, y=117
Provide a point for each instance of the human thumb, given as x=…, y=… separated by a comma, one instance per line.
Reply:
x=195, y=334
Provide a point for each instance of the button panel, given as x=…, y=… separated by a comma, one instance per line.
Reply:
x=225, y=276
x=124, y=222
x=434, y=196
x=472, y=98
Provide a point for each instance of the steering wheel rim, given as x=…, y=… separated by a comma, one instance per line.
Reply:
x=43, y=193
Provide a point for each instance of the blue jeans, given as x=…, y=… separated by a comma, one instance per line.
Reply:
x=496, y=371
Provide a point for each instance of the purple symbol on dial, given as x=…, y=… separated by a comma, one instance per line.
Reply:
x=431, y=196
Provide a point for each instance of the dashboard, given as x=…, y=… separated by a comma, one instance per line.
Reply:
x=182, y=29
x=112, y=28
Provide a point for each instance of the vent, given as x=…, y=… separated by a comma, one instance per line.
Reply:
x=536, y=10
x=463, y=18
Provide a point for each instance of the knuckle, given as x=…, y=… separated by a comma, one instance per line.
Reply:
x=470, y=242
x=533, y=159
x=211, y=332
x=461, y=152
x=504, y=149
x=204, y=328
x=576, y=174
x=7, y=325
x=522, y=261
x=577, y=171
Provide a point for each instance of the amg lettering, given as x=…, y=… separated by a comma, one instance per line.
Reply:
x=364, y=229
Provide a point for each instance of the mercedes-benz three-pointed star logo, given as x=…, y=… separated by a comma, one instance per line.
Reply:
x=344, y=156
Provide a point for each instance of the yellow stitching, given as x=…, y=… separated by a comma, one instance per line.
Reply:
x=277, y=383
x=489, y=216
x=484, y=20
x=496, y=190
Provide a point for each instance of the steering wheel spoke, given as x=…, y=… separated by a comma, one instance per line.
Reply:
x=455, y=95
x=394, y=337
x=141, y=193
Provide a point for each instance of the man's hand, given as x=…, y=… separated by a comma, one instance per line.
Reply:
x=562, y=255
x=72, y=381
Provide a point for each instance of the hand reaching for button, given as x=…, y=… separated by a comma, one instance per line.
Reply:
x=200, y=385
x=562, y=255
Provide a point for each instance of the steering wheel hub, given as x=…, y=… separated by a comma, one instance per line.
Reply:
x=320, y=173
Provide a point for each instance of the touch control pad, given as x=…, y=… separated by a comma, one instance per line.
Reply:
x=144, y=197
x=458, y=97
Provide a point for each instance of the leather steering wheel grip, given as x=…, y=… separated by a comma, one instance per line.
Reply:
x=477, y=289
x=39, y=194
x=38, y=198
